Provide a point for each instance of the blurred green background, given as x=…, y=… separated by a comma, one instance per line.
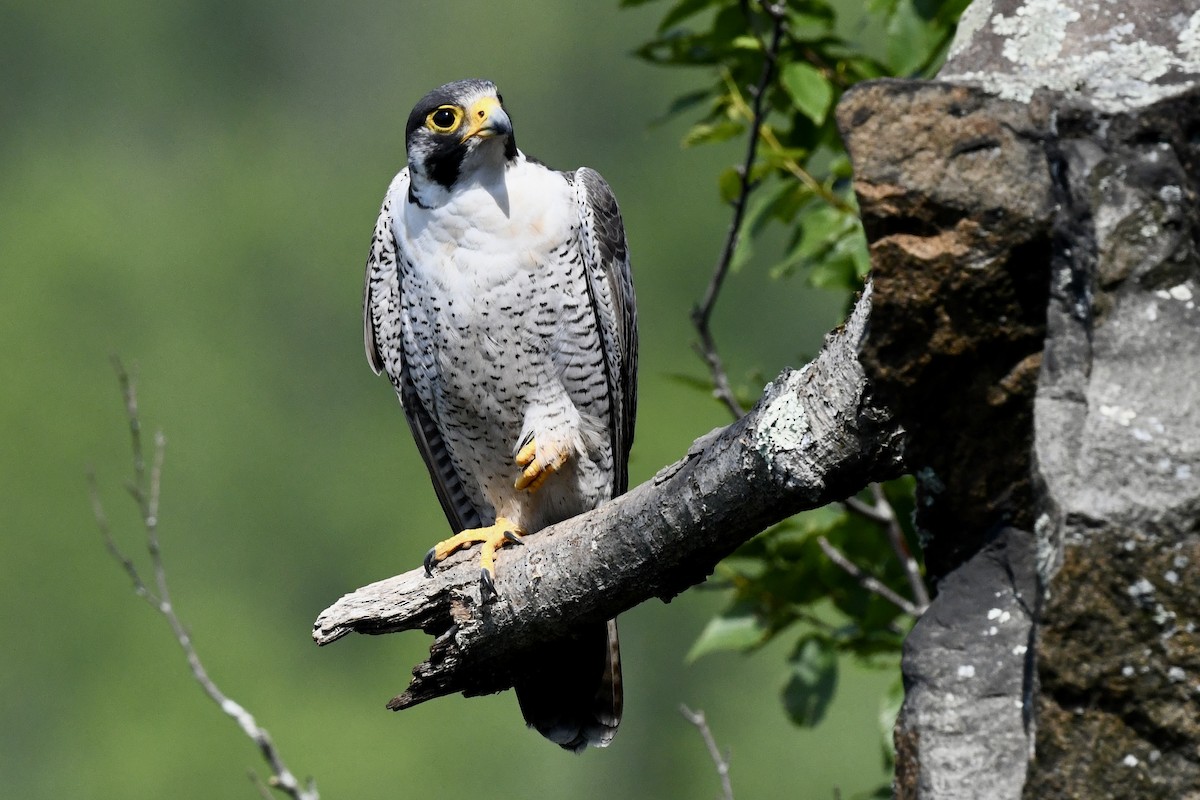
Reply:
x=193, y=186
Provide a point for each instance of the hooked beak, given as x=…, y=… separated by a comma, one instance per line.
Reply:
x=487, y=118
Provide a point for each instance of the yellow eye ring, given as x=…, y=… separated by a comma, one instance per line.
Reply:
x=444, y=119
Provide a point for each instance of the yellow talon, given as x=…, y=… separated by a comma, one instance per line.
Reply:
x=536, y=472
x=492, y=538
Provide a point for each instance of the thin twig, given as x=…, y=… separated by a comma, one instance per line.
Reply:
x=702, y=314
x=146, y=491
x=912, y=570
x=868, y=582
x=880, y=512
x=720, y=761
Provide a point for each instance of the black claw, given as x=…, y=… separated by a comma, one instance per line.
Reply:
x=487, y=586
x=512, y=537
x=429, y=562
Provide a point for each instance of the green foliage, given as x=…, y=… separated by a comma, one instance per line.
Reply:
x=781, y=581
x=813, y=678
x=801, y=174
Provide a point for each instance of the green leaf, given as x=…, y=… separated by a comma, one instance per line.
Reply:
x=766, y=204
x=889, y=710
x=825, y=233
x=681, y=11
x=706, y=132
x=911, y=39
x=737, y=628
x=743, y=250
x=945, y=12
x=811, y=680
x=746, y=43
x=811, y=24
x=835, y=272
x=808, y=88
x=683, y=102
x=730, y=184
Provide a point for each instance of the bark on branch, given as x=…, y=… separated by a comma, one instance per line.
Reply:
x=814, y=437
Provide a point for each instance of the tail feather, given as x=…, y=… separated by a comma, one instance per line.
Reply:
x=571, y=690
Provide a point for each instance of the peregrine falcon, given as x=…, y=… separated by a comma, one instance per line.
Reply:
x=499, y=302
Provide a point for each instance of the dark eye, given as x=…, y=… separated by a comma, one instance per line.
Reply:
x=444, y=119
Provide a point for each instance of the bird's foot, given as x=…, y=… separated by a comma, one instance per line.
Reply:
x=492, y=538
x=535, y=471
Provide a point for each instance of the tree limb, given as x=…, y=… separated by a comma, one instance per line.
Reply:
x=815, y=436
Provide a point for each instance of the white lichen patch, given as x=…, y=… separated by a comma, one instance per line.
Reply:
x=1171, y=577
x=1142, y=588
x=1181, y=292
x=1119, y=69
x=1020, y=650
x=998, y=615
x=1164, y=616
x=1127, y=671
x=966, y=671
x=974, y=17
x=1189, y=42
x=1131, y=760
x=1176, y=675
x=1171, y=194
x=783, y=425
x=1035, y=34
x=1118, y=414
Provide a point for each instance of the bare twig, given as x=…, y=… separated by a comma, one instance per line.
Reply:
x=720, y=761
x=912, y=570
x=880, y=511
x=146, y=490
x=702, y=314
x=868, y=582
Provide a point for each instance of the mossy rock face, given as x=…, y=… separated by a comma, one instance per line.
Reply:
x=1036, y=330
x=956, y=201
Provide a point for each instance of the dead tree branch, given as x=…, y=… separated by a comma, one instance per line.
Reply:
x=815, y=436
x=146, y=491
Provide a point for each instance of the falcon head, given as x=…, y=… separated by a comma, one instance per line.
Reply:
x=455, y=130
